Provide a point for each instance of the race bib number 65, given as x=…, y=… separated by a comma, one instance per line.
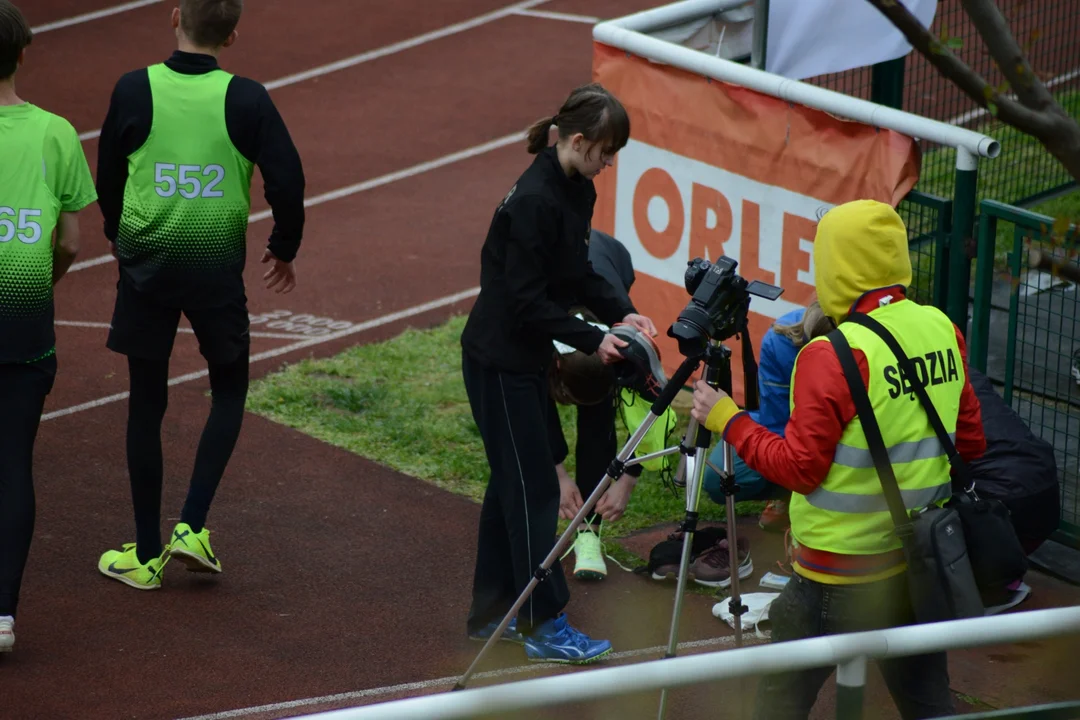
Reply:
x=22, y=223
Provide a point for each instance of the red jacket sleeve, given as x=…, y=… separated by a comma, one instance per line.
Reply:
x=823, y=407
x=970, y=438
x=800, y=460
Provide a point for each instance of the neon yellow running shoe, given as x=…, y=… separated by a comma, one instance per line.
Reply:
x=193, y=549
x=588, y=558
x=124, y=565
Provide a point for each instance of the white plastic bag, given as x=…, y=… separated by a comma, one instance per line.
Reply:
x=757, y=605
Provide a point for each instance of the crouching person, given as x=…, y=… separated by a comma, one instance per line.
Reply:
x=779, y=349
x=849, y=568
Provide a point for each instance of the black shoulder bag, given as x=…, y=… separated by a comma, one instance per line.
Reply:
x=941, y=583
x=997, y=556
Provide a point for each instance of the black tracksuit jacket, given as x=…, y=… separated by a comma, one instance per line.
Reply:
x=534, y=267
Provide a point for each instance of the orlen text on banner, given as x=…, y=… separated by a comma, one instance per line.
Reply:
x=715, y=169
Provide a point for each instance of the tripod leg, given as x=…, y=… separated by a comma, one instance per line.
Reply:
x=693, y=494
x=727, y=480
x=560, y=547
x=685, y=468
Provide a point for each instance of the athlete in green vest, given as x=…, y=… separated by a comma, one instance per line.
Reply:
x=849, y=570
x=44, y=181
x=175, y=162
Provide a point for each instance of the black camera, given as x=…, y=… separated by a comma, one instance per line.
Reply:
x=719, y=303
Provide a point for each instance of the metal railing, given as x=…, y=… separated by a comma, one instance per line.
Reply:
x=1025, y=334
x=848, y=652
x=929, y=223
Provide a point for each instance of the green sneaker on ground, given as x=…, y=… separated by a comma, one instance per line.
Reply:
x=588, y=557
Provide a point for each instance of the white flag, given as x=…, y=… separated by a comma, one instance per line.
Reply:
x=814, y=37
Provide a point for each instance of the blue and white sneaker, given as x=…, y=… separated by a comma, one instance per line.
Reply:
x=510, y=634
x=555, y=641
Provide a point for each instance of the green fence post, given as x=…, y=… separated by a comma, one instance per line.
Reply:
x=887, y=83
x=850, y=681
x=941, y=256
x=760, y=37
x=967, y=178
x=979, y=345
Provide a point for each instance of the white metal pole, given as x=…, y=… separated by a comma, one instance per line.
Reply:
x=709, y=667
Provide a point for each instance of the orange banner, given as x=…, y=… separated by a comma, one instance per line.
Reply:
x=715, y=169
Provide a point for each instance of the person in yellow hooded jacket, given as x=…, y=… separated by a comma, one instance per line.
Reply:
x=849, y=569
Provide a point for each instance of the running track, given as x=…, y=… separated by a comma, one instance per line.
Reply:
x=345, y=582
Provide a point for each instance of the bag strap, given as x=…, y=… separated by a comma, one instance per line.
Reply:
x=908, y=369
x=872, y=432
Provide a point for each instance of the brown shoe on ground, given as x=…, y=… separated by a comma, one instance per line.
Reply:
x=713, y=567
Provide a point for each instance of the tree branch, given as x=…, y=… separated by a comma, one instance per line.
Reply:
x=994, y=30
x=970, y=82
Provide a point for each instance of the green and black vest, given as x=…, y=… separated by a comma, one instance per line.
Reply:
x=182, y=233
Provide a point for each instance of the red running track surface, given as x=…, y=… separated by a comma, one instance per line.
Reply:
x=341, y=577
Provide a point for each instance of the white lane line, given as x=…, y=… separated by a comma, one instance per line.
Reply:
x=351, y=697
x=95, y=15
x=384, y=51
x=566, y=17
x=106, y=326
x=299, y=345
x=423, y=167
x=403, y=45
x=371, y=184
x=964, y=118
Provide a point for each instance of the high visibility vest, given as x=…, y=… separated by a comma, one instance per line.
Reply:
x=847, y=513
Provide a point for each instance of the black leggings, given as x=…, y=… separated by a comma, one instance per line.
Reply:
x=24, y=389
x=146, y=410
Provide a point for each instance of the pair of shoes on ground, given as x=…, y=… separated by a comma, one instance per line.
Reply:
x=710, y=560
x=554, y=641
x=187, y=546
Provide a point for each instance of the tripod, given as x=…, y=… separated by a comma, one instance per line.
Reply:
x=717, y=374
x=718, y=371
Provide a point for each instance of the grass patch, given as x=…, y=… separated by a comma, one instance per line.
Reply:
x=1023, y=169
x=402, y=403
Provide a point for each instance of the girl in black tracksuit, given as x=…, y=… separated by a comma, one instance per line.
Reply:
x=534, y=268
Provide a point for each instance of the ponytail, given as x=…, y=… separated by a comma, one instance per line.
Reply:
x=538, y=134
x=590, y=110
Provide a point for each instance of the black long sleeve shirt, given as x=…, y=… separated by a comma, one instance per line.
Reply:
x=534, y=267
x=255, y=128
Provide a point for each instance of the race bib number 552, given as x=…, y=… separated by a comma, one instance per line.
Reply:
x=190, y=181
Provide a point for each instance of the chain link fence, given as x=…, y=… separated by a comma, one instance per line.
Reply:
x=1025, y=172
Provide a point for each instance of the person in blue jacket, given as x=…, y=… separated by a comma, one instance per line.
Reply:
x=779, y=349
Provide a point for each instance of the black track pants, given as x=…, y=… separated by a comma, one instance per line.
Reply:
x=519, y=517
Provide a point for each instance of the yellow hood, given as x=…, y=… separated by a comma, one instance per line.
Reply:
x=860, y=246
